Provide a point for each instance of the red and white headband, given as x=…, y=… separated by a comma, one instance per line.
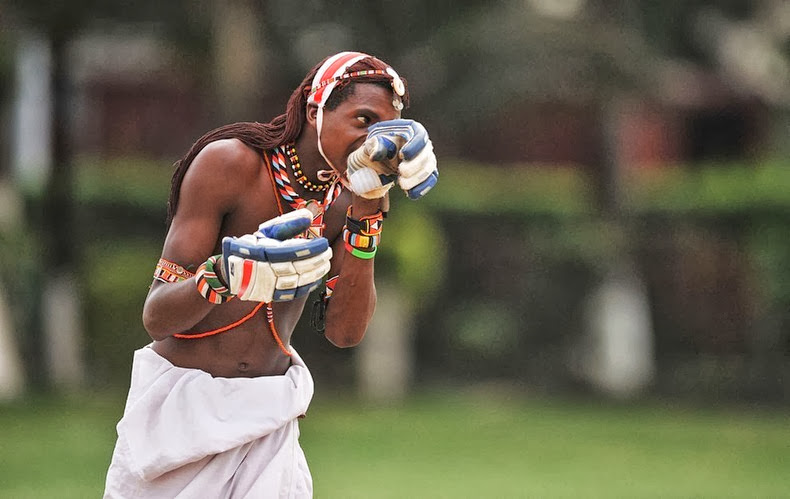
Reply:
x=334, y=70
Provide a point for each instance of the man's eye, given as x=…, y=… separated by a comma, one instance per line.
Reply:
x=364, y=120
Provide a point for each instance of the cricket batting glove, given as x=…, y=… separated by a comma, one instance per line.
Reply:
x=371, y=172
x=273, y=265
x=394, y=148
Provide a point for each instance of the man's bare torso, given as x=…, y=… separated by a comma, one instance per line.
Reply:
x=250, y=348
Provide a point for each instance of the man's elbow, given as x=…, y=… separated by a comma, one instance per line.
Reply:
x=343, y=338
x=153, y=327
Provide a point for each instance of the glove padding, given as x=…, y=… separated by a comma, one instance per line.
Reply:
x=372, y=170
x=272, y=265
x=399, y=147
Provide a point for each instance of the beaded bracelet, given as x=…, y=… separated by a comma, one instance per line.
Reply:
x=168, y=272
x=361, y=236
x=360, y=241
x=369, y=225
x=208, y=284
x=364, y=255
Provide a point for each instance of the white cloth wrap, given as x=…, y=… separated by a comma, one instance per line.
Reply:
x=185, y=434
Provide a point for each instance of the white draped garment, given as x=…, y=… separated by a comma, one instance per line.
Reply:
x=186, y=434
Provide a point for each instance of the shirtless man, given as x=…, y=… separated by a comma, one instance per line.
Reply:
x=214, y=400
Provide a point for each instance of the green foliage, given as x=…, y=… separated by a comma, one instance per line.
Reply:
x=709, y=189
x=117, y=274
x=517, y=189
x=565, y=193
x=117, y=266
x=768, y=245
x=21, y=279
x=135, y=182
x=413, y=251
x=483, y=329
x=590, y=241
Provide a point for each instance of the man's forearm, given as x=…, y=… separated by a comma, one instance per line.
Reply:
x=352, y=304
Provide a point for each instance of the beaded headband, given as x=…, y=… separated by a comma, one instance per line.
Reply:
x=397, y=83
x=326, y=78
x=334, y=71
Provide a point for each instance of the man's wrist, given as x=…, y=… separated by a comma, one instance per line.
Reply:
x=364, y=207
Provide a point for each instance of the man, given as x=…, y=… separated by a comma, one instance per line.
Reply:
x=214, y=400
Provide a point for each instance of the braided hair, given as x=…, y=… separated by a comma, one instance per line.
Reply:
x=284, y=128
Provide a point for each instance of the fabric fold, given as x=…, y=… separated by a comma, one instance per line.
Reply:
x=183, y=428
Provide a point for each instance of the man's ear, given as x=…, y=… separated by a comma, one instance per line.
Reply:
x=312, y=113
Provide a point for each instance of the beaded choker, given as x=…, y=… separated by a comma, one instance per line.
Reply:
x=280, y=176
x=300, y=176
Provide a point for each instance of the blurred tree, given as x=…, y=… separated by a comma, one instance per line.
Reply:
x=54, y=351
x=58, y=22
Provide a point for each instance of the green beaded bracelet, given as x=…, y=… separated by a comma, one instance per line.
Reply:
x=364, y=255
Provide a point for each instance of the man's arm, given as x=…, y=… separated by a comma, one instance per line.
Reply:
x=354, y=298
x=400, y=146
x=211, y=189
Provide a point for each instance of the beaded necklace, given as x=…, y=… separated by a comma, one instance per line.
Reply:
x=280, y=174
x=300, y=177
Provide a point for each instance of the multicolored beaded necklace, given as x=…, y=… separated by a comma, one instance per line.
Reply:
x=300, y=177
x=287, y=192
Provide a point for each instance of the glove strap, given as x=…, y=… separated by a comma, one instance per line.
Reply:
x=208, y=284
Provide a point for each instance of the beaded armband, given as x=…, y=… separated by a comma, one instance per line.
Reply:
x=208, y=284
x=167, y=271
x=361, y=236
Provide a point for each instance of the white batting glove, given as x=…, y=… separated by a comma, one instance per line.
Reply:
x=394, y=148
x=272, y=265
x=372, y=169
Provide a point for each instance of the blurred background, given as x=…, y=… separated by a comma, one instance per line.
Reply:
x=608, y=242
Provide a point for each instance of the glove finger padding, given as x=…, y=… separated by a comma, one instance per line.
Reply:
x=419, y=174
x=287, y=225
x=261, y=268
x=415, y=141
x=372, y=169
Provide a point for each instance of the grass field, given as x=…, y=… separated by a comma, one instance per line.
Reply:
x=448, y=446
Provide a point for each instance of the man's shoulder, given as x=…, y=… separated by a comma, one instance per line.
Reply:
x=228, y=158
x=230, y=151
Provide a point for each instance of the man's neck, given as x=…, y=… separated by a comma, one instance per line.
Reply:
x=310, y=163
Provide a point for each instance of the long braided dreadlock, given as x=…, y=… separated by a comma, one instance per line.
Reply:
x=284, y=128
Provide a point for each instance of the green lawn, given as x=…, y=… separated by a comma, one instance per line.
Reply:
x=448, y=446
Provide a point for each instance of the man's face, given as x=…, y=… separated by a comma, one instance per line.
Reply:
x=345, y=128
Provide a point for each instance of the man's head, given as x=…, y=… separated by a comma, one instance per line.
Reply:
x=333, y=82
x=345, y=123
